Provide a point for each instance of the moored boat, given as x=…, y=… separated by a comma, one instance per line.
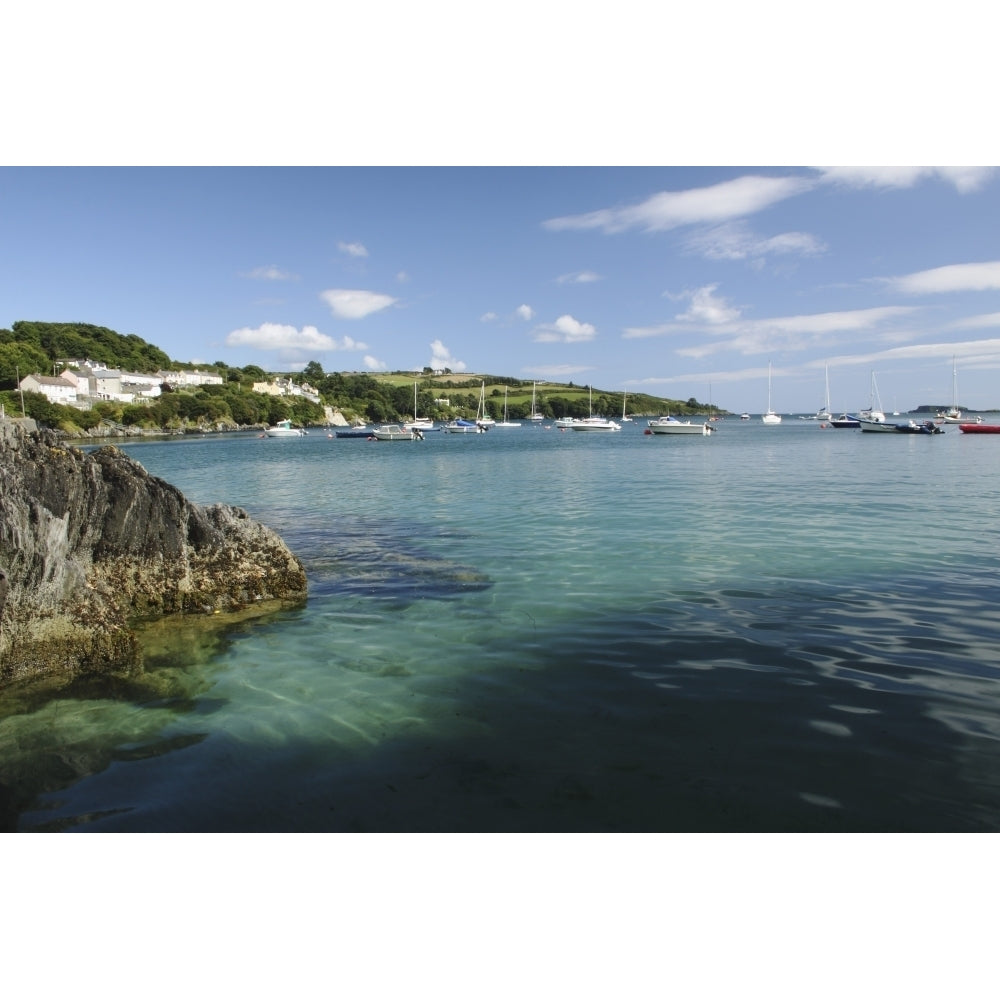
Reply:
x=979, y=428
x=395, y=432
x=460, y=426
x=671, y=425
x=284, y=428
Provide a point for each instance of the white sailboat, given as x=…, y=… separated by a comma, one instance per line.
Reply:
x=873, y=418
x=953, y=415
x=535, y=415
x=823, y=414
x=593, y=423
x=483, y=419
x=625, y=420
x=505, y=422
x=770, y=417
x=417, y=423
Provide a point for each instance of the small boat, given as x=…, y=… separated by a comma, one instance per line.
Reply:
x=953, y=415
x=671, y=425
x=770, y=417
x=284, y=428
x=873, y=418
x=395, y=432
x=460, y=426
x=482, y=417
x=912, y=427
x=418, y=423
x=823, y=413
x=593, y=423
x=625, y=420
x=534, y=415
x=505, y=422
x=566, y=422
x=845, y=420
x=354, y=432
x=744, y=416
x=979, y=428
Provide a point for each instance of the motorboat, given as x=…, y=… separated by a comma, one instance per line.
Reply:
x=979, y=428
x=395, y=432
x=845, y=420
x=460, y=426
x=924, y=427
x=595, y=424
x=284, y=428
x=671, y=425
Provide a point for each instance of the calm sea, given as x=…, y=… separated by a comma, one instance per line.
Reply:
x=773, y=629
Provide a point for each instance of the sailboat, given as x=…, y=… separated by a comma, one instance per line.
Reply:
x=418, y=423
x=505, y=422
x=953, y=415
x=483, y=419
x=535, y=415
x=770, y=417
x=625, y=420
x=824, y=413
x=593, y=423
x=873, y=419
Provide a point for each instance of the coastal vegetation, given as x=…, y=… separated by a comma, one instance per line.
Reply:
x=39, y=347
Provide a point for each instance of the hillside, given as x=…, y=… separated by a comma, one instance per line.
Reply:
x=34, y=347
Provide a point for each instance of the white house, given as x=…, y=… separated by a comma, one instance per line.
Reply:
x=55, y=388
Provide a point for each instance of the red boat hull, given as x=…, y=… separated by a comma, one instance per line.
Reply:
x=979, y=428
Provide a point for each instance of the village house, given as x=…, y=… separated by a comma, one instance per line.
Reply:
x=54, y=388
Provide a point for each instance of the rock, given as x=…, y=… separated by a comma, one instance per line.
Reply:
x=88, y=543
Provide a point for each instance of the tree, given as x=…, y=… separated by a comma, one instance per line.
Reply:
x=20, y=359
x=313, y=373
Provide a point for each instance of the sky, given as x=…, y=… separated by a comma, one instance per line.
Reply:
x=529, y=195
x=677, y=281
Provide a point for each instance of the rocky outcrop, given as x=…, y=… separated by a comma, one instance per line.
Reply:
x=89, y=543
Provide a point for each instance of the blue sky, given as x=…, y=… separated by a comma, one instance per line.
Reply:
x=132, y=193
x=658, y=279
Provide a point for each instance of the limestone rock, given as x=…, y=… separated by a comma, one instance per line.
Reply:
x=88, y=543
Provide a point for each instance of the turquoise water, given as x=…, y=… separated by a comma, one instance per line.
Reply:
x=775, y=628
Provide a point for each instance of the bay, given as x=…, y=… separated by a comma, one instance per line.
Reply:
x=788, y=628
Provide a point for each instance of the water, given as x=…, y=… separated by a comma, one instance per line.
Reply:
x=772, y=629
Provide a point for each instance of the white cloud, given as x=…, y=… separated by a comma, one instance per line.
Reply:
x=578, y=278
x=977, y=322
x=706, y=308
x=965, y=179
x=373, y=364
x=565, y=330
x=271, y=272
x=734, y=241
x=353, y=303
x=487, y=317
x=950, y=278
x=441, y=357
x=353, y=249
x=670, y=209
x=525, y=312
x=280, y=337
x=402, y=277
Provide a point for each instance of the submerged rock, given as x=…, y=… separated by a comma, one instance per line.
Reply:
x=88, y=543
